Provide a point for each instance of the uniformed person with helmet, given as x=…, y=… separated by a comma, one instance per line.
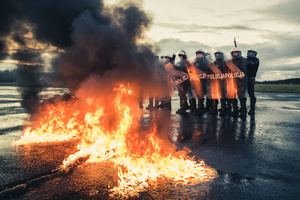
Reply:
x=238, y=68
x=199, y=86
x=252, y=67
x=179, y=75
x=215, y=84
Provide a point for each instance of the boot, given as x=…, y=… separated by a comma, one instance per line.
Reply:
x=150, y=106
x=235, y=111
x=168, y=102
x=185, y=105
x=200, y=110
x=223, y=108
x=156, y=102
x=252, y=106
x=162, y=103
x=193, y=104
x=214, y=110
x=228, y=106
x=243, y=109
x=182, y=110
x=208, y=105
x=141, y=103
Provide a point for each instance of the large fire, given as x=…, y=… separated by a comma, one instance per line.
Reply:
x=112, y=136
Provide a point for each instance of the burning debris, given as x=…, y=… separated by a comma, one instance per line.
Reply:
x=108, y=132
x=104, y=64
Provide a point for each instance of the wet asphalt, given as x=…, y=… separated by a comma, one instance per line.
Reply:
x=255, y=158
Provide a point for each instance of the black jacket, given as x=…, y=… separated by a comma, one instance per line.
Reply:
x=252, y=66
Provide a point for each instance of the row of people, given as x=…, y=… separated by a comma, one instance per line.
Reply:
x=219, y=80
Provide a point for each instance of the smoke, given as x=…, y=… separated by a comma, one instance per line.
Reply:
x=92, y=38
x=29, y=79
x=104, y=48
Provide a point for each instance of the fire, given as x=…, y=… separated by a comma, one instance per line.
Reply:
x=141, y=158
x=231, y=88
x=215, y=89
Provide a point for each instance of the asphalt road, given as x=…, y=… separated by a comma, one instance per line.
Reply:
x=255, y=158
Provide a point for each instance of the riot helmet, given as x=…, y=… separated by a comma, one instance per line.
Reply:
x=219, y=54
x=200, y=53
x=235, y=53
x=251, y=53
x=182, y=54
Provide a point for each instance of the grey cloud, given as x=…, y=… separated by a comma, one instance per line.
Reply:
x=288, y=11
x=197, y=28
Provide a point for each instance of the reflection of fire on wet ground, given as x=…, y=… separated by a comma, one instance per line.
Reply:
x=117, y=159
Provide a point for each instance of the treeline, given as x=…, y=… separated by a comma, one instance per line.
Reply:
x=12, y=76
x=8, y=76
x=285, y=81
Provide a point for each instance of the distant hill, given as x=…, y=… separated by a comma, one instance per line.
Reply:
x=285, y=81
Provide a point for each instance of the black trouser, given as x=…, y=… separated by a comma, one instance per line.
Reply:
x=182, y=90
x=251, y=95
x=251, y=90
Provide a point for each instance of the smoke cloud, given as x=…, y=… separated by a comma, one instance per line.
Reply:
x=92, y=38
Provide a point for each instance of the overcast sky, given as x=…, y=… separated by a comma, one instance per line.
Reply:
x=270, y=27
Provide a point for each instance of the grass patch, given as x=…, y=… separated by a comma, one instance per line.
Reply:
x=9, y=84
x=278, y=88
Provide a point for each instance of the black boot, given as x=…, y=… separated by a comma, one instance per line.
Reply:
x=243, y=109
x=150, y=106
x=235, y=111
x=228, y=106
x=141, y=103
x=252, y=106
x=156, y=102
x=182, y=110
x=208, y=105
x=162, y=103
x=200, y=109
x=193, y=104
x=223, y=108
x=186, y=105
x=214, y=110
x=168, y=102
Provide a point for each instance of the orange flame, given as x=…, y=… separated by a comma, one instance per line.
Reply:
x=194, y=79
x=110, y=136
x=215, y=89
x=231, y=88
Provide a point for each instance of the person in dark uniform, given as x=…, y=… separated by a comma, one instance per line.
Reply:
x=182, y=82
x=201, y=64
x=238, y=63
x=168, y=82
x=252, y=67
x=154, y=95
x=179, y=75
x=215, y=84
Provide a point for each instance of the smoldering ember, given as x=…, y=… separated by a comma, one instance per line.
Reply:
x=96, y=114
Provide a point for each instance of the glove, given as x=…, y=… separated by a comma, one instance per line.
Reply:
x=173, y=57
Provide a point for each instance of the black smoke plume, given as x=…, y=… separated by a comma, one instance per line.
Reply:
x=95, y=39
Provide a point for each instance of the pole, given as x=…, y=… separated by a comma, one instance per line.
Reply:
x=235, y=43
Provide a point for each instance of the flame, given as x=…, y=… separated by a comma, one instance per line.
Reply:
x=111, y=136
x=215, y=89
x=231, y=88
x=195, y=80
